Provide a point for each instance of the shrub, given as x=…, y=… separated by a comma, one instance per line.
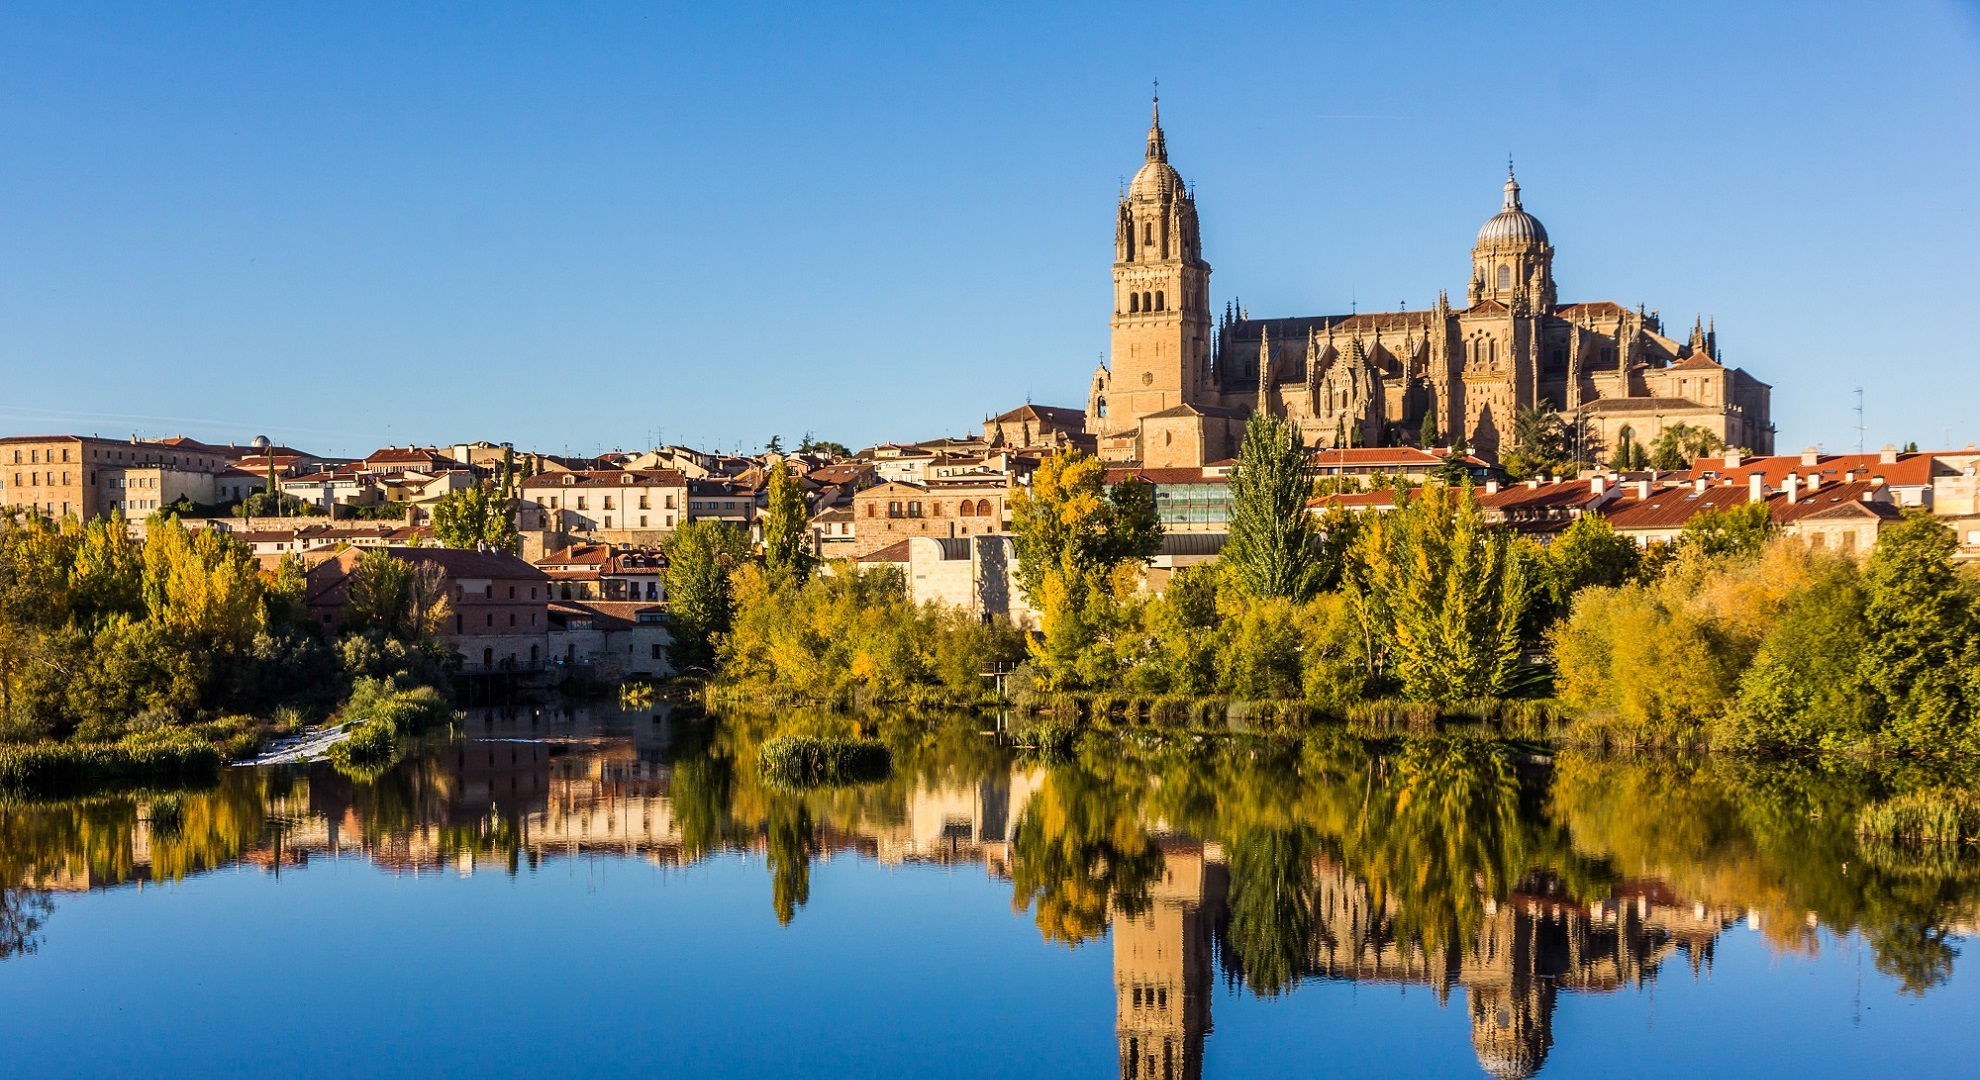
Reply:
x=801, y=761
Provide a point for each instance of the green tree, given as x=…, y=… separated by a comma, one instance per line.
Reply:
x=775, y=445
x=1734, y=530
x=1074, y=539
x=1540, y=444
x=1426, y=433
x=475, y=517
x=1681, y=444
x=1441, y=596
x=787, y=553
x=1271, y=550
x=1923, y=635
x=700, y=557
x=1588, y=553
x=404, y=599
x=813, y=445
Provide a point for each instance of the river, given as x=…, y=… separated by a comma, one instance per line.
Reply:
x=571, y=890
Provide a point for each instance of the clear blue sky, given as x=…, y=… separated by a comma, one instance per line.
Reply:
x=577, y=225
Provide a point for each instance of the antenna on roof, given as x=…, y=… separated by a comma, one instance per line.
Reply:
x=1859, y=420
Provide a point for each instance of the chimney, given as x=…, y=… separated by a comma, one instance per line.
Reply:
x=1793, y=487
x=1698, y=485
x=1810, y=456
x=1756, y=487
x=1732, y=459
x=1532, y=483
x=1888, y=455
x=1491, y=487
x=1596, y=485
x=1643, y=490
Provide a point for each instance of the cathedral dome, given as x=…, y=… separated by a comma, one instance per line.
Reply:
x=1156, y=180
x=1512, y=225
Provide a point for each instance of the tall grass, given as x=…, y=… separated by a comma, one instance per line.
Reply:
x=802, y=761
x=49, y=768
x=1932, y=815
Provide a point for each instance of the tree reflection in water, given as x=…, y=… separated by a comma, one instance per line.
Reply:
x=1454, y=862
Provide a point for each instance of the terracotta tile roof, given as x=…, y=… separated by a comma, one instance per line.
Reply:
x=606, y=478
x=1213, y=411
x=1841, y=500
x=1671, y=507
x=1052, y=414
x=1699, y=359
x=1909, y=470
x=1518, y=498
x=1381, y=499
x=896, y=552
x=1644, y=404
x=1165, y=476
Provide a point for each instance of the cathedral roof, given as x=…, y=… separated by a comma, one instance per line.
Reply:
x=1512, y=224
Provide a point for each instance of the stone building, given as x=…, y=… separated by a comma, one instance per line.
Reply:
x=886, y=514
x=1178, y=387
x=60, y=475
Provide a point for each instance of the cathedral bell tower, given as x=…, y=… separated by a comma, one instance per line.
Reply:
x=1161, y=325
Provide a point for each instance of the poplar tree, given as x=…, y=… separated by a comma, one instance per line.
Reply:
x=787, y=556
x=1441, y=598
x=1271, y=550
x=701, y=605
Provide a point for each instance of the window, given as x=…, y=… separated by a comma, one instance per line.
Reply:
x=1134, y=303
x=656, y=650
x=1158, y=300
x=643, y=503
x=1147, y=232
x=983, y=508
x=608, y=502
x=967, y=509
x=1505, y=277
x=512, y=592
x=642, y=521
x=581, y=505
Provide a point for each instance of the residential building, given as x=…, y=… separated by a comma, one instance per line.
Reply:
x=630, y=507
x=498, y=606
x=890, y=512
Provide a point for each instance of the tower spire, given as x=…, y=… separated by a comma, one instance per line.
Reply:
x=1158, y=148
x=1512, y=186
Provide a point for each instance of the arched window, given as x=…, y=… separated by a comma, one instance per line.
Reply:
x=1134, y=302
x=1158, y=300
x=1100, y=407
x=1505, y=277
x=968, y=509
x=1148, y=232
x=983, y=508
x=1148, y=301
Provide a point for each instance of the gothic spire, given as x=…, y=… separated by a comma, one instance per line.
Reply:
x=1158, y=149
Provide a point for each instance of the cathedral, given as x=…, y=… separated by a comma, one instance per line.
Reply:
x=1181, y=379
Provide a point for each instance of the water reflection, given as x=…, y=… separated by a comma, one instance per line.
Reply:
x=1450, y=863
